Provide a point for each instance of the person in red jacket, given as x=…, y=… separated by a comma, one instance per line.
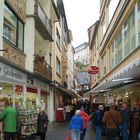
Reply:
x=85, y=118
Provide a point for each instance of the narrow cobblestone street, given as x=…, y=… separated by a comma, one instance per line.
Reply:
x=57, y=131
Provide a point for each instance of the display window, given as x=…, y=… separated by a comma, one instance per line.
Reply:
x=32, y=98
x=6, y=93
x=44, y=97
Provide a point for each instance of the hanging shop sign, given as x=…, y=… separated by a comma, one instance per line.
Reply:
x=93, y=70
x=11, y=75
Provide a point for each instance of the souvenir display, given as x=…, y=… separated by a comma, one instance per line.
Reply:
x=28, y=122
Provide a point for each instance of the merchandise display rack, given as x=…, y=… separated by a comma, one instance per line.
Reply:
x=28, y=122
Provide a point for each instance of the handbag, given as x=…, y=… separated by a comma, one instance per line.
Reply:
x=117, y=133
x=103, y=131
x=68, y=136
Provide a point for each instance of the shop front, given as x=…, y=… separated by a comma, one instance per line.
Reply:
x=25, y=94
x=123, y=87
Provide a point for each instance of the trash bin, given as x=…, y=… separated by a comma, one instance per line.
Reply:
x=60, y=114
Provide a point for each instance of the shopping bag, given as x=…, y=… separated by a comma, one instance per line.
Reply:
x=68, y=136
x=103, y=131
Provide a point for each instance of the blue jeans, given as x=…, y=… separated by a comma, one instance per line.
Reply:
x=98, y=132
x=75, y=134
x=83, y=133
x=124, y=131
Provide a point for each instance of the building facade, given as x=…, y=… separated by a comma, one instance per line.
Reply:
x=118, y=34
x=81, y=54
x=70, y=71
x=32, y=36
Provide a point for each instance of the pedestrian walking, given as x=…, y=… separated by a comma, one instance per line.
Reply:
x=85, y=118
x=112, y=120
x=97, y=121
x=42, y=123
x=125, y=114
x=76, y=125
x=68, y=112
x=9, y=117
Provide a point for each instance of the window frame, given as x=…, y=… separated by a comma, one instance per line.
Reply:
x=58, y=72
x=58, y=39
x=18, y=20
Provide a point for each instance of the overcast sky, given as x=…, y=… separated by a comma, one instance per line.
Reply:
x=81, y=14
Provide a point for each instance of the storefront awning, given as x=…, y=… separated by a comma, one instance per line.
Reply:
x=128, y=74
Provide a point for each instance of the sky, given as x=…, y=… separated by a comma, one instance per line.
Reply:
x=81, y=14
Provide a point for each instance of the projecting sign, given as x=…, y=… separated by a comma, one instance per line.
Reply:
x=93, y=70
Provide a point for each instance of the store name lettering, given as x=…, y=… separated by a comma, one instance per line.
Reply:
x=10, y=72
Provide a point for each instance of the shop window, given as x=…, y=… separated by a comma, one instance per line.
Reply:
x=13, y=30
x=57, y=66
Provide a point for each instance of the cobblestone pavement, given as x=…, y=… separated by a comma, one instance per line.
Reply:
x=57, y=131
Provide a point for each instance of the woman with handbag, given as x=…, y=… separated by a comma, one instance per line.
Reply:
x=112, y=120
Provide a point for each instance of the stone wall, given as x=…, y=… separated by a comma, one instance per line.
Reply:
x=14, y=55
x=19, y=6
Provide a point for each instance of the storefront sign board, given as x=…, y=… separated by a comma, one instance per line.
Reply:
x=10, y=74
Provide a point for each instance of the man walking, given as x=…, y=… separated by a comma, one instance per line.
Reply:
x=9, y=117
x=112, y=120
x=97, y=121
x=85, y=118
x=125, y=113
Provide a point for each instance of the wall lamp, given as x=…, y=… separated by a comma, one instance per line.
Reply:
x=5, y=50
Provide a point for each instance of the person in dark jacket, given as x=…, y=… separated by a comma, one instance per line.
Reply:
x=42, y=123
x=125, y=114
x=97, y=121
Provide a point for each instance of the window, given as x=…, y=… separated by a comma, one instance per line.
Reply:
x=112, y=55
x=129, y=34
x=13, y=28
x=104, y=27
x=118, y=48
x=138, y=22
x=57, y=39
x=111, y=10
x=112, y=7
x=50, y=58
x=57, y=66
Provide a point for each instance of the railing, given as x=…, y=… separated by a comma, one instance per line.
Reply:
x=42, y=21
x=42, y=67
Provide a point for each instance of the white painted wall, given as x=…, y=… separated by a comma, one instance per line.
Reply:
x=29, y=36
x=51, y=112
x=82, y=55
x=1, y=24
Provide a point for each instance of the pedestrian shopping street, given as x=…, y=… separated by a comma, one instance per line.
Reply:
x=58, y=130
x=65, y=58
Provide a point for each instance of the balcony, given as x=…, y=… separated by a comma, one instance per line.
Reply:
x=42, y=67
x=42, y=22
